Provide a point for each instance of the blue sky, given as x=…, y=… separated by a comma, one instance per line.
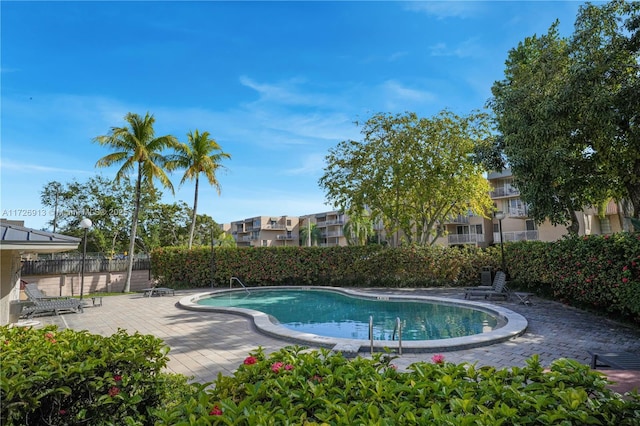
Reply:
x=277, y=84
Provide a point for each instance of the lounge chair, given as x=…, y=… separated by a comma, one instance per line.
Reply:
x=617, y=360
x=33, y=292
x=498, y=289
x=158, y=291
x=499, y=276
x=56, y=306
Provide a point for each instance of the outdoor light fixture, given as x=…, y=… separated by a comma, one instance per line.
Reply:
x=84, y=224
x=500, y=215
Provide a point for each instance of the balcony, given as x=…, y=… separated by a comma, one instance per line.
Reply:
x=460, y=219
x=516, y=236
x=506, y=191
x=465, y=238
x=521, y=212
x=334, y=234
x=285, y=237
x=275, y=226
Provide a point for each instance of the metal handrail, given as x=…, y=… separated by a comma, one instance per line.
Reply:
x=371, y=332
x=241, y=283
x=398, y=328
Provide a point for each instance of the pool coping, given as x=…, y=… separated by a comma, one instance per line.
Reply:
x=515, y=324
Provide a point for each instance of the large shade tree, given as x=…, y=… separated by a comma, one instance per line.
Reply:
x=568, y=110
x=200, y=155
x=411, y=173
x=554, y=171
x=138, y=150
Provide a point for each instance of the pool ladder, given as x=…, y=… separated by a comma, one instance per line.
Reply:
x=232, y=279
x=397, y=329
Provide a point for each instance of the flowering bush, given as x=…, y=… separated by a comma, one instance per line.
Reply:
x=599, y=272
x=322, y=387
x=55, y=377
x=70, y=378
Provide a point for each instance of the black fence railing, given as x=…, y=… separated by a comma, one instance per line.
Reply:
x=73, y=266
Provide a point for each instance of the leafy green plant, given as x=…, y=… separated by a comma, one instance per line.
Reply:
x=295, y=386
x=49, y=376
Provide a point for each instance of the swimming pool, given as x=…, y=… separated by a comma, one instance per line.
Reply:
x=327, y=316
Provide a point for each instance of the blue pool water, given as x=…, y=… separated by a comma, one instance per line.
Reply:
x=333, y=314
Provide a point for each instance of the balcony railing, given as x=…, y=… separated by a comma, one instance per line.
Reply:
x=465, y=238
x=276, y=226
x=508, y=191
x=285, y=237
x=464, y=219
x=519, y=212
x=516, y=236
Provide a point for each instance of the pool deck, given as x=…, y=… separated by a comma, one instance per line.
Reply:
x=204, y=344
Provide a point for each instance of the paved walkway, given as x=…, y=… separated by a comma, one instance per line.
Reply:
x=204, y=344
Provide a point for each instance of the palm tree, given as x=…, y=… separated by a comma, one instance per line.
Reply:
x=201, y=154
x=358, y=229
x=310, y=234
x=136, y=146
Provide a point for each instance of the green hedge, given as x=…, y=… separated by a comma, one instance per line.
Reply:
x=332, y=266
x=598, y=272
x=52, y=377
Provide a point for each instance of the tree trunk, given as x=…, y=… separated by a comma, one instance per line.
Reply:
x=193, y=217
x=134, y=228
x=574, y=226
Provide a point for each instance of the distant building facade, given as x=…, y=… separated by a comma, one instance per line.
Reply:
x=470, y=229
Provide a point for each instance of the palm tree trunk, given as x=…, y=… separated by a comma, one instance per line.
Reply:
x=134, y=228
x=193, y=217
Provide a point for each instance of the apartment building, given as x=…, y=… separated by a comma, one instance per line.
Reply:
x=330, y=227
x=518, y=226
x=266, y=231
x=269, y=231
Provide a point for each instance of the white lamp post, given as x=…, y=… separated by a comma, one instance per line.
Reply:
x=84, y=224
x=500, y=215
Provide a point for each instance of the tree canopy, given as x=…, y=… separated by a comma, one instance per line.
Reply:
x=567, y=113
x=411, y=173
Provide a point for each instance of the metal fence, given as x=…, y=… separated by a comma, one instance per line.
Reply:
x=73, y=266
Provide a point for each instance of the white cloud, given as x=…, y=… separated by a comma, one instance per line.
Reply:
x=467, y=49
x=311, y=164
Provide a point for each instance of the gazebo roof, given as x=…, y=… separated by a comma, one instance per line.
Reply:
x=28, y=240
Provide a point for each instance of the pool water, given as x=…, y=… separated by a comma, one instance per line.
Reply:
x=332, y=314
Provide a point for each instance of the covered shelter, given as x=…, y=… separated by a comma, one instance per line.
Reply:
x=15, y=242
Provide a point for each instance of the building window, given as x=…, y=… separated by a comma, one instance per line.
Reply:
x=462, y=230
x=288, y=222
x=265, y=243
x=479, y=229
x=531, y=225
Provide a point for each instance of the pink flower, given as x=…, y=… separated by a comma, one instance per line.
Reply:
x=215, y=411
x=113, y=391
x=438, y=359
x=117, y=378
x=277, y=366
x=625, y=268
x=625, y=280
x=62, y=412
x=250, y=360
x=288, y=367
